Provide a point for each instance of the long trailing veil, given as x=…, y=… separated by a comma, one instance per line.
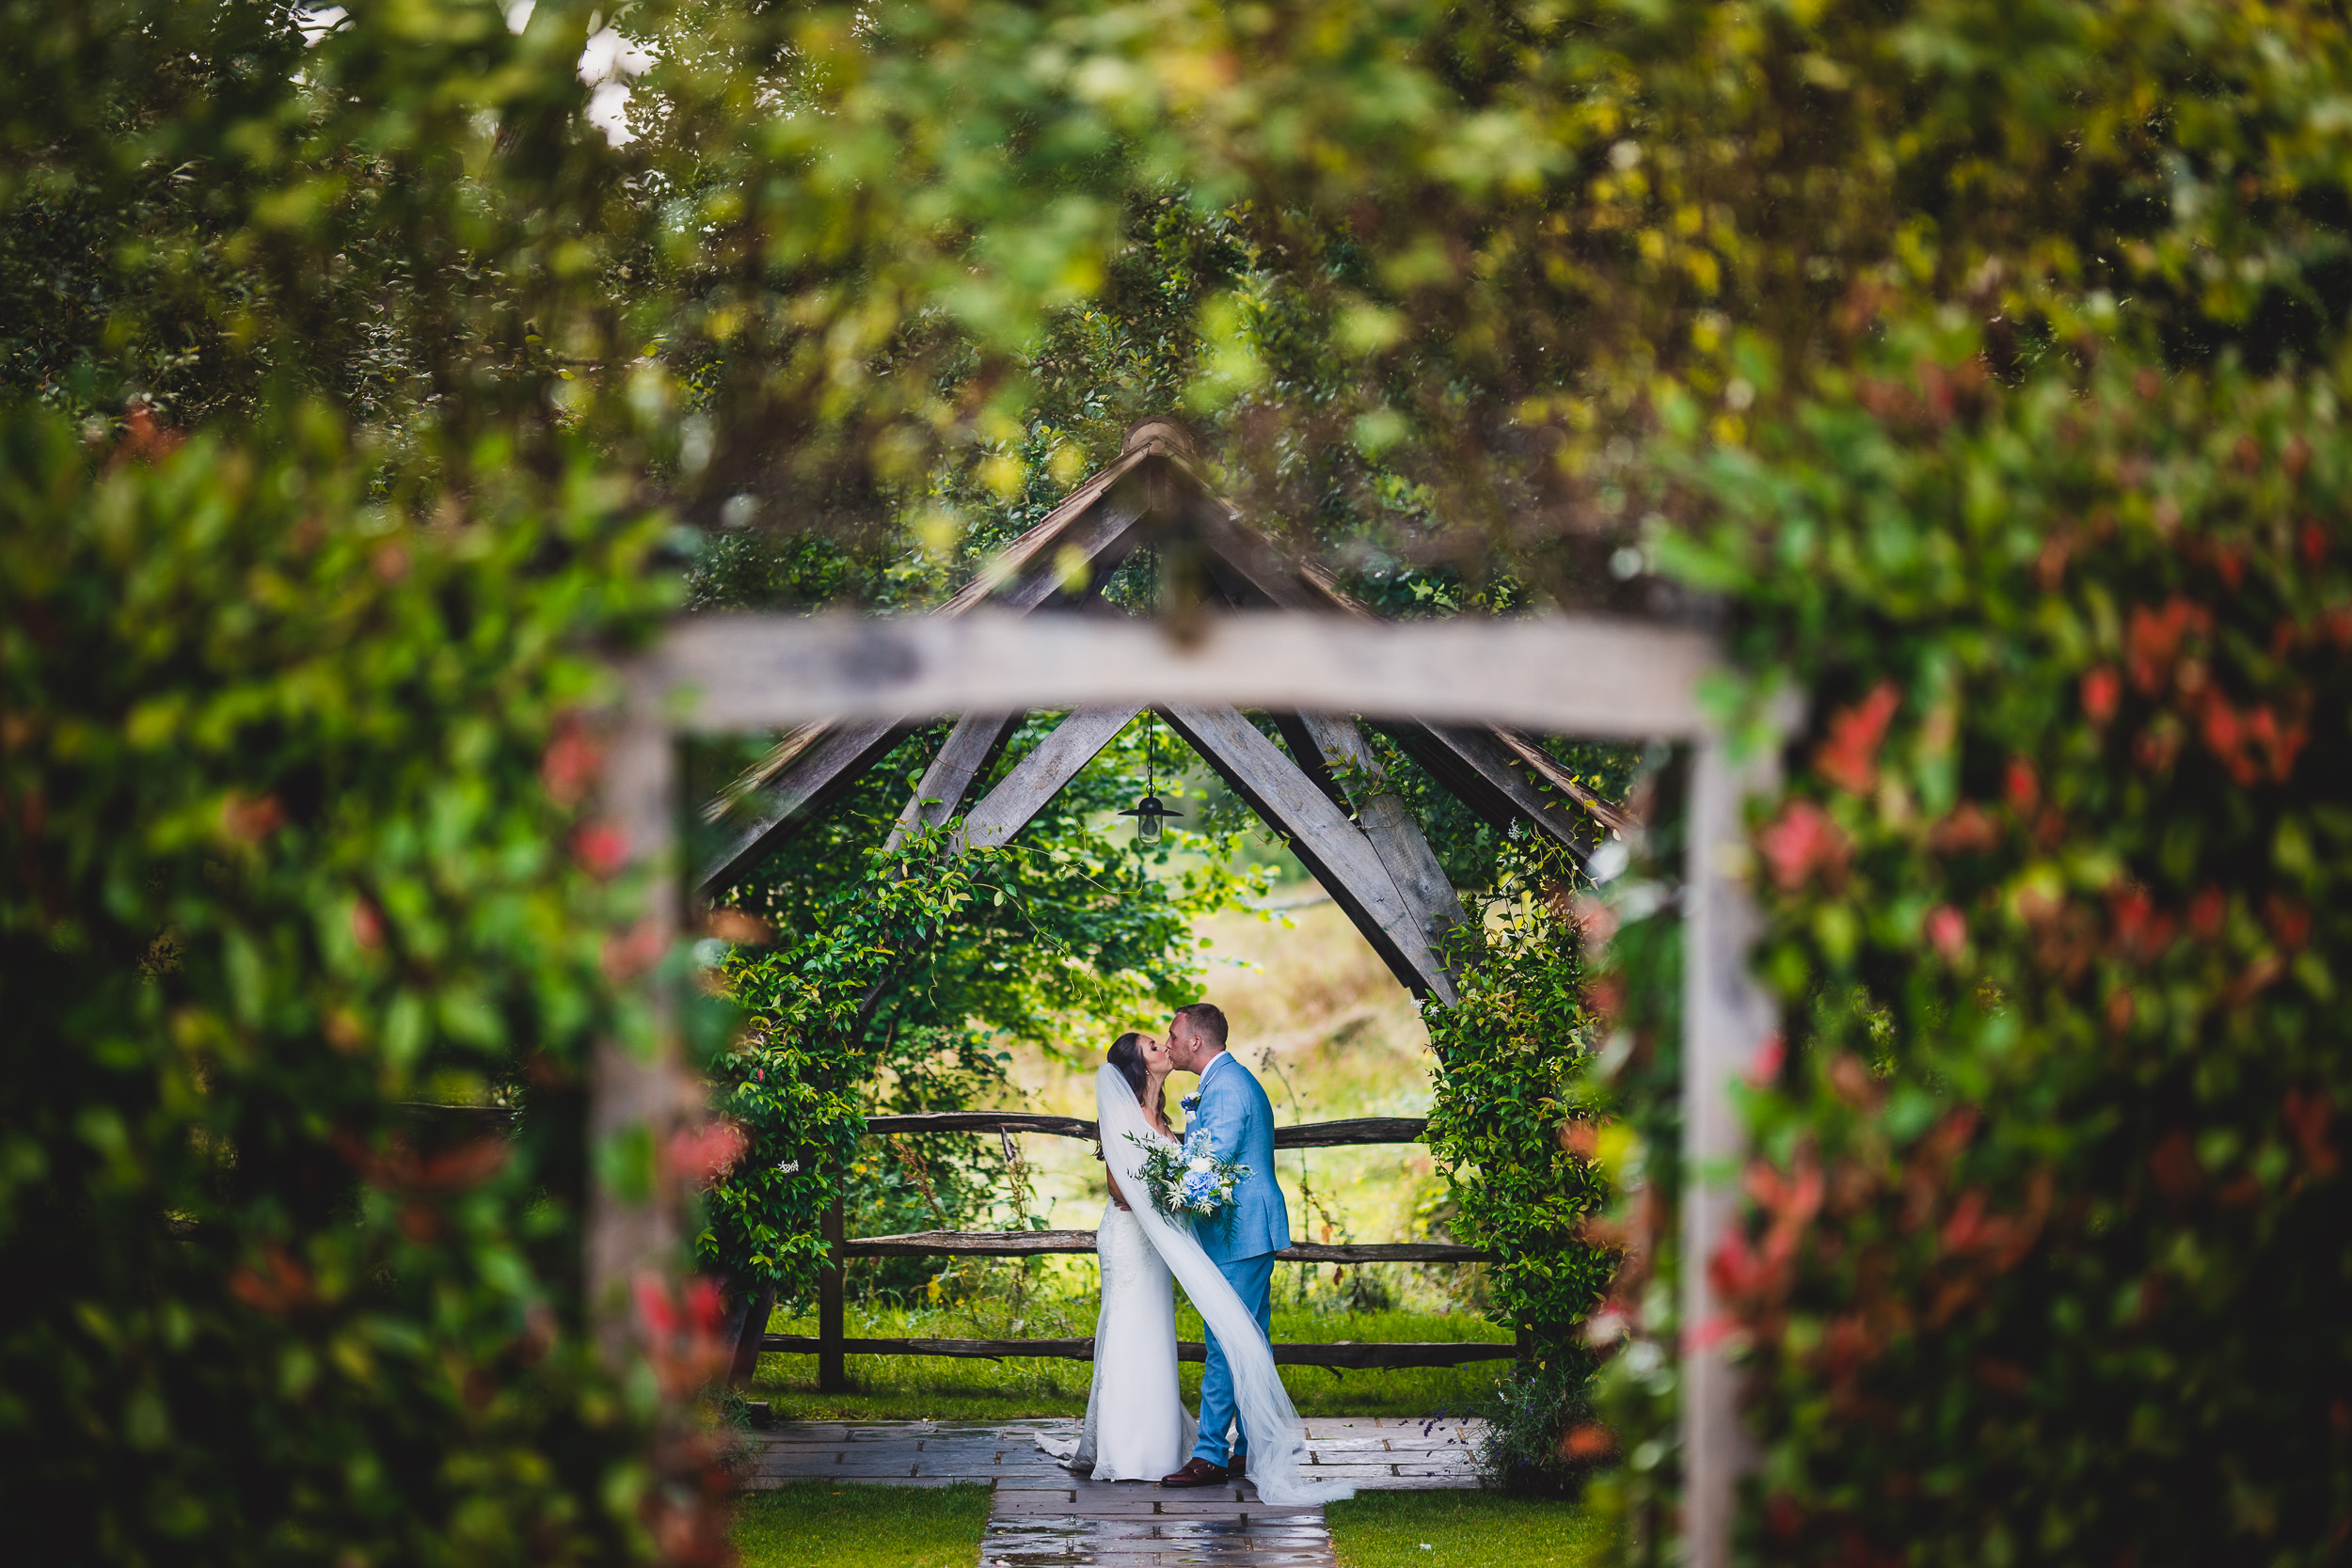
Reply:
x=1277, y=1444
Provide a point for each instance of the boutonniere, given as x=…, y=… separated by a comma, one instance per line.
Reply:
x=1191, y=1100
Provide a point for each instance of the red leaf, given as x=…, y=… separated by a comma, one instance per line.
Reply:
x=2103, y=690
x=569, y=766
x=700, y=1155
x=1799, y=842
x=1849, y=758
x=1947, y=931
x=601, y=847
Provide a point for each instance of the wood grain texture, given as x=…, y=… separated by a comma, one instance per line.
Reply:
x=1396, y=838
x=1040, y=776
x=1471, y=763
x=1355, y=1129
x=833, y=761
x=1334, y=849
x=1547, y=767
x=964, y=755
x=1553, y=675
x=1292, y=727
x=970, y=1244
x=1368, y=1355
x=980, y=1122
x=1093, y=530
x=1728, y=1023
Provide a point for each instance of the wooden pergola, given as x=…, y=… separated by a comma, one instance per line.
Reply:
x=1249, y=632
x=1326, y=796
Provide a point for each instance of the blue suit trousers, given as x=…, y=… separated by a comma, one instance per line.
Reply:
x=1252, y=1280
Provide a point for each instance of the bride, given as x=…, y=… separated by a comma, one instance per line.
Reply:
x=1136, y=1426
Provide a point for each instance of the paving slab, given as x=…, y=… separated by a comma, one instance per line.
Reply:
x=1041, y=1515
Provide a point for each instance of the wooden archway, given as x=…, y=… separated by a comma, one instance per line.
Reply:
x=1463, y=687
x=1324, y=796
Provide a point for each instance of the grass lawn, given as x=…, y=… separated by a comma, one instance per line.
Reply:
x=887, y=1388
x=820, y=1524
x=1461, y=1529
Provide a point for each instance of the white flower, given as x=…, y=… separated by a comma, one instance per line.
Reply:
x=1205, y=1163
x=789, y=1166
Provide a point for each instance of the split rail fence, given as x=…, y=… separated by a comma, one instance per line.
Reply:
x=830, y=1344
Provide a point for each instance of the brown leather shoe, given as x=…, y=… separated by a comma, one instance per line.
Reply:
x=1198, y=1472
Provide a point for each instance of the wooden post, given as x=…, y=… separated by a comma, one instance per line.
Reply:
x=758, y=1306
x=831, y=1379
x=1726, y=1020
x=639, y=1089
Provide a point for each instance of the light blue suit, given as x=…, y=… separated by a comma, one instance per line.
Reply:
x=1242, y=1238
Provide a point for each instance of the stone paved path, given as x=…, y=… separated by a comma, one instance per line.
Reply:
x=1041, y=1515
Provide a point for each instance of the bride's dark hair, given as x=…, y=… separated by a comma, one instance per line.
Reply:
x=1127, y=1056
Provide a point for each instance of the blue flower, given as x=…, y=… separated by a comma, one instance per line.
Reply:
x=1191, y=1100
x=1197, y=1189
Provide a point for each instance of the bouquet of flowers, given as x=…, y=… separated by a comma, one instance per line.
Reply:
x=1189, y=1182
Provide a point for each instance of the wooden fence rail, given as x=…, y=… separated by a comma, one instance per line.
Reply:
x=832, y=1345
x=1313, y=1134
x=1347, y=1354
x=1032, y=1244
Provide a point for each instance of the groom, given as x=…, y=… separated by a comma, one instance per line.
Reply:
x=1242, y=1238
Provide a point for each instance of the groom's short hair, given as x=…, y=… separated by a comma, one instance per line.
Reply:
x=1207, y=1020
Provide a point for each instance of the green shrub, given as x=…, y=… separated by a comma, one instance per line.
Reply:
x=1512, y=1057
x=290, y=806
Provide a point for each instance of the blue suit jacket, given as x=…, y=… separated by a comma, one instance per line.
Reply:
x=1239, y=1120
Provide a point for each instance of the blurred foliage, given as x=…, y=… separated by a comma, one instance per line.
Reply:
x=2046, y=1235
x=1840, y=314
x=290, y=798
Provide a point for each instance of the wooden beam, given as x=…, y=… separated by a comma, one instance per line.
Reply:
x=1038, y=1244
x=1249, y=567
x=1547, y=767
x=1309, y=1134
x=1333, y=848
x=1551, y=675
x=831, y=765
x=1293, y=728
x=1091, y=534
x=1095, y=527
x=1042, y=774
x=970, y=748
x=1368, y=1355
x=1396, y=838
x=1471, y=763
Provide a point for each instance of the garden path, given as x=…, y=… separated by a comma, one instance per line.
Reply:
x=1042, y=1517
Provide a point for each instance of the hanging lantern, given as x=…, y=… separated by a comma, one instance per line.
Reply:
x=1148, y=813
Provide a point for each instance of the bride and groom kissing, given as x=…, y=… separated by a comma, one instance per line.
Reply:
x=1197, y=1207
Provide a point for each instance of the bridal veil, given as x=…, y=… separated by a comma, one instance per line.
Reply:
x=1276, y=1457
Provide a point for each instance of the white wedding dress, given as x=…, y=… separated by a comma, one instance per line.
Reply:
x=1136, y=1426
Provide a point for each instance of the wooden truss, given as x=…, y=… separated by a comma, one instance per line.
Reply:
x=1328, y=797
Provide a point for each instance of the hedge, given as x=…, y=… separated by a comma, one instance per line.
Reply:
x=291, y=804
x=2047, y=1242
